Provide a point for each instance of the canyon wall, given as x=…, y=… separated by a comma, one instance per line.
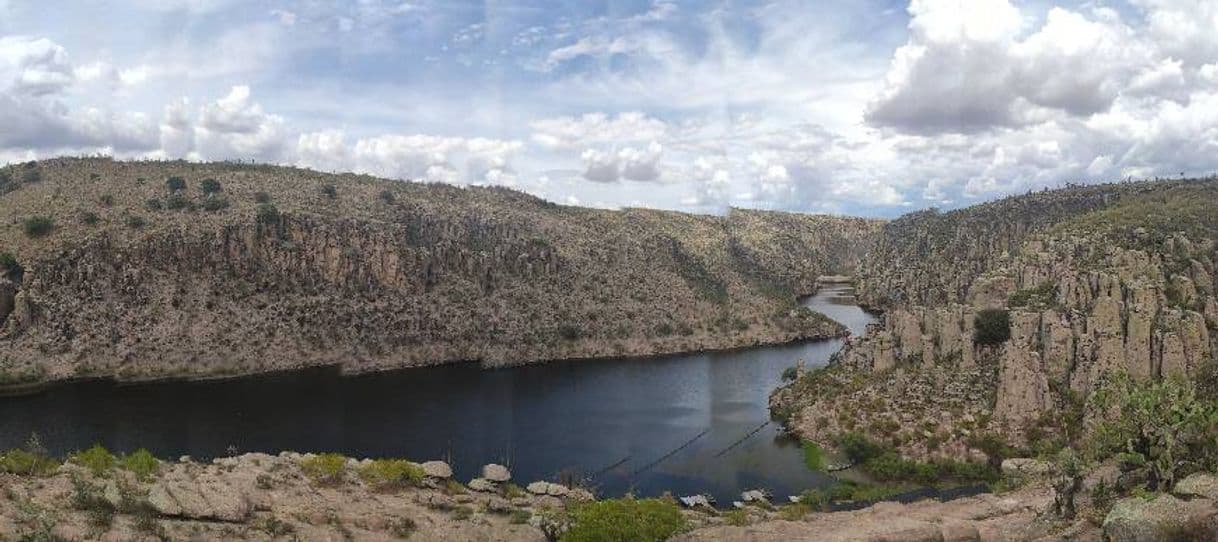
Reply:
x=284, y=268
x=1094, y=281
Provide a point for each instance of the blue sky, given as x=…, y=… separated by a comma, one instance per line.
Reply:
x=860, y=107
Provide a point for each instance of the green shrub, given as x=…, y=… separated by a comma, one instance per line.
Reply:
x=215, y=204
x=1162, y=427
x=32, y=175
x=262, y=198
x=18, y=461
x=90, y=497
x=814, y=456
x=154, y=204
x=858, y=448
x=97, y=459
x=175, y=184
x=992, y=326
x=329, y=191
x=267, y=214
x=626, y=520
x=1040, y=296
x=461, y=513
x=386, y=196
x=210, y=186
x=403, y=527
x=89, y=218
x=134, y=222
x=790, y=374
x=176, y=202
x=520, y=517
x=10, y=267
x=140, y=462
x=391, y=472
x=738, y=517
x=324, y=467
x=38, y=226
x=106, y=200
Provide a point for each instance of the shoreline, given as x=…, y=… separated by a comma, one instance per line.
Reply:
x=346, y=370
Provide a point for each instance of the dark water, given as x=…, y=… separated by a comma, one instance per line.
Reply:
x=648, y=425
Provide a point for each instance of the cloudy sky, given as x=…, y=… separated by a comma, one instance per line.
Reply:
x=873, y=107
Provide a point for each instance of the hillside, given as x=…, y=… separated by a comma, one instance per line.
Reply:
x=157, y=269
x=1005, y=319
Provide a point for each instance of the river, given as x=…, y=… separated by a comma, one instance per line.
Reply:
x=685, y=423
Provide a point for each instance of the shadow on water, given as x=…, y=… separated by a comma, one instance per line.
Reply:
x=690, y=423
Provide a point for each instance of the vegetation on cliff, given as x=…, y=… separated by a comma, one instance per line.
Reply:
x=153, y=269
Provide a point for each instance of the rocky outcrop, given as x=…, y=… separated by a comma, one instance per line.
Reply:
x=1161, y=518
x=1095, y=281
x=383, y=274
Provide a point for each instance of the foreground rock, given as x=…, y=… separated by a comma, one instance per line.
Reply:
x=257, y=497
x=1164, y=517
x=1013, y=517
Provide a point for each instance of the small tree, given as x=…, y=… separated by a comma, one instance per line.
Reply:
x=210, y=186
x=38, y=226
x=992, y=326
x=1067, y=481
x=175, y=184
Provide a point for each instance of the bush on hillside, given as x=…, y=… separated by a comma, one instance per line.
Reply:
x=329, y=191
x=10, y=267
x=38, y=226
x=210, y=186
x=1164, y=427
x=267, y=214
x=262, y=198
x=991, y=327
x=626, y=520
x=175, y=184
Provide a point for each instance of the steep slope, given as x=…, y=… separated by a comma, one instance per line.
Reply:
x=152, y=269
x=1081, y=284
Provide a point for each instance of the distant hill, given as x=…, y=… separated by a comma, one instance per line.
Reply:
x=156, y=269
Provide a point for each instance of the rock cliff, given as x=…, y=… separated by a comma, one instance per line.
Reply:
x=1087, y=282
x=156, y=269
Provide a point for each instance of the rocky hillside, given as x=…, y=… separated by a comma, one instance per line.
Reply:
x=155, y=269
x=1006, y=317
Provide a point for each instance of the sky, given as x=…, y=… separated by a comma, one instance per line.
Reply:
x=863, y=107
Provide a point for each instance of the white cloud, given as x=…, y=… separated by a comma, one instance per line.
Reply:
x=596, y=128
x=237, y=127
x=629, y=163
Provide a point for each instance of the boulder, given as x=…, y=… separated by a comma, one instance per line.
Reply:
x=1026, y=467
x=481, y=484
x=496, y=473
x=547, y=488
x=187, y=498
x=1162, y=518
x=1198, y=485
x=437, y=469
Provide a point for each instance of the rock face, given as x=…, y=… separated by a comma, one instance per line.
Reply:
x=382, y=274
x=1093, y=284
